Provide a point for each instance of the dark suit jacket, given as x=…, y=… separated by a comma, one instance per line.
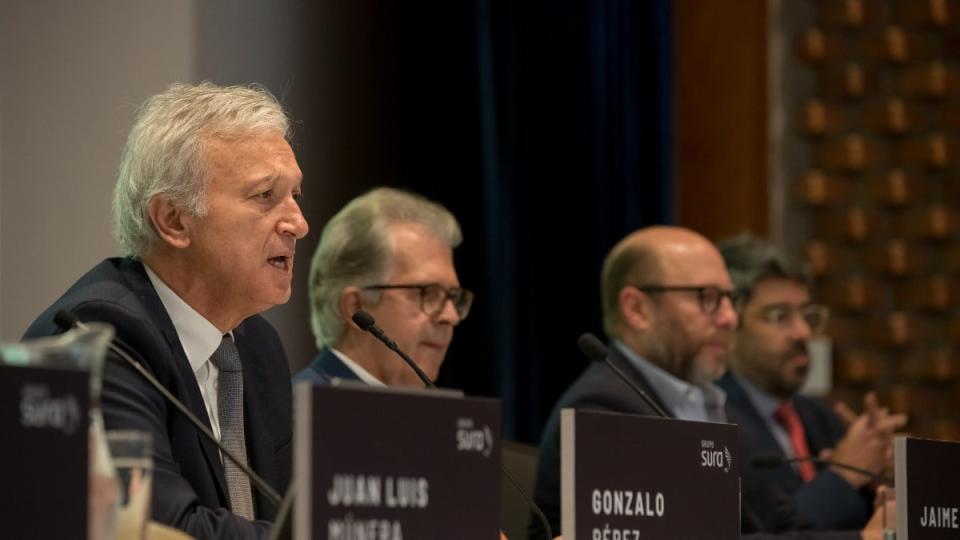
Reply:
x=763, y=510
x=828, y=501
x=189, y=492
x=325, y=367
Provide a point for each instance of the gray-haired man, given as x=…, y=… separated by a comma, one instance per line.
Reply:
x=206, y=213
x=389, y=252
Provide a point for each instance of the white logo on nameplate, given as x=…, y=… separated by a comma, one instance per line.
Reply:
x=473, y=438
x=714, y=456
x=41, y=411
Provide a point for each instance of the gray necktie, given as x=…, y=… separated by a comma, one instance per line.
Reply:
x=230, y=411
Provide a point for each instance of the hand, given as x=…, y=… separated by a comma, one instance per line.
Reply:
x=868, y=443
x=884, y=516
x=878, y=417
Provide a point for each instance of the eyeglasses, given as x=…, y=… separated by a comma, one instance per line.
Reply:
x=433, y=297
x=709, y=297
x=782, y=316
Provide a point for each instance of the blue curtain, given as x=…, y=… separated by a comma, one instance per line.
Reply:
x=577, y=150
x=546, y=127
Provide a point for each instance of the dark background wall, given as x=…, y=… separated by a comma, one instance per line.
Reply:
x=551, y=129
x=545, y=127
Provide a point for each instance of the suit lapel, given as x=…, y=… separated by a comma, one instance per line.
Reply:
x=756, y=436
x=817, y=439
x=637, y=377
x=193, y=400
x=330, y=367
x=258, y=404
x=742, y=409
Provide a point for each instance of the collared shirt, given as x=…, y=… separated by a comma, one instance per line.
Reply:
x=357, y=369
x=199, y=338
x=686, y=401
x=766, y=404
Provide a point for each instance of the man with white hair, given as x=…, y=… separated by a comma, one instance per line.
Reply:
x=207, y=216
x=389, y=252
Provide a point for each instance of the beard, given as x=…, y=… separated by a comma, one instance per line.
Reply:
x=785, y=383
x=674, y=354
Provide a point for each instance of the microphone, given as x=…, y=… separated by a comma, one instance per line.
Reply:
x=595, y=350
x=67, y=320
x=366, y=323
x=772, y=461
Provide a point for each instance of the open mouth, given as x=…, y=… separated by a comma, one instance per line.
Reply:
x=719, y=345
x=282, y=262
x=799, y=359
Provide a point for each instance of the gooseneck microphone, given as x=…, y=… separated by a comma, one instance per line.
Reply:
x=366, y=323
x=67, y=320
x=595, y=350
x=772, y=461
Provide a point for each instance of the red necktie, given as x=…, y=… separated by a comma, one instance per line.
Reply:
x=787, y=415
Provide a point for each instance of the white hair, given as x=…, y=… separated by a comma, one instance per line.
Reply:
x=356, y=249
x=164, y=151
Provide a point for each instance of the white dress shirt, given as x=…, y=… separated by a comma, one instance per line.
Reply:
x=686, y=401
x=199, y=339
x=357, y=369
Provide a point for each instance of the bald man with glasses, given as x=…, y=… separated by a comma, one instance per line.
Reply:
x=390, y=253
x=670, y=311
x=768, y=365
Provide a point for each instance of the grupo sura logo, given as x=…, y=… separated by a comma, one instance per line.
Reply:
x=38, y=409
x=711, y=455
x=473, y=438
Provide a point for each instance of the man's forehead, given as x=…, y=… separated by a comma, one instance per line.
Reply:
x=694, y=263
x=411, y=242
x=777, y=290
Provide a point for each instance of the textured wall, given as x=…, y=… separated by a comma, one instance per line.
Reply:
x=869, y=160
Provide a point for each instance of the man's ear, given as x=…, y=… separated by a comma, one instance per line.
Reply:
x=636, y=308
x=349, y=304
x=169, y=221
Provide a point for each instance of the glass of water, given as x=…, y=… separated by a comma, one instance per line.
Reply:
x=132, y=454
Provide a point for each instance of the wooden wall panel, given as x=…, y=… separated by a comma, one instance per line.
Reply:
x=721, y=115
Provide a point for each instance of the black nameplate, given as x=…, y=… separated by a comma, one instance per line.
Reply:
x=43, y=458
x=633, y=477
x=927, y=492
x=396, y=464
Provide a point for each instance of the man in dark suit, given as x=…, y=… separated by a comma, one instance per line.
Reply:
x=768, y=365
x=206, y=213
x=669, y=307
x=389, y=252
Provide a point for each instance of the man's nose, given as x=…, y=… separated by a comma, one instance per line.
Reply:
x=448, y=313
x=799, y=328
x=726, y=316
x=293, y=222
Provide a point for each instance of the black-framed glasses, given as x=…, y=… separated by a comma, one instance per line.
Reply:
x=434, y=296
x=782, y=316
x=710, y=297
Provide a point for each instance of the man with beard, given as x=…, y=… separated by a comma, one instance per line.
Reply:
x=670, y=310
x=390, y=253
x=768, y=365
